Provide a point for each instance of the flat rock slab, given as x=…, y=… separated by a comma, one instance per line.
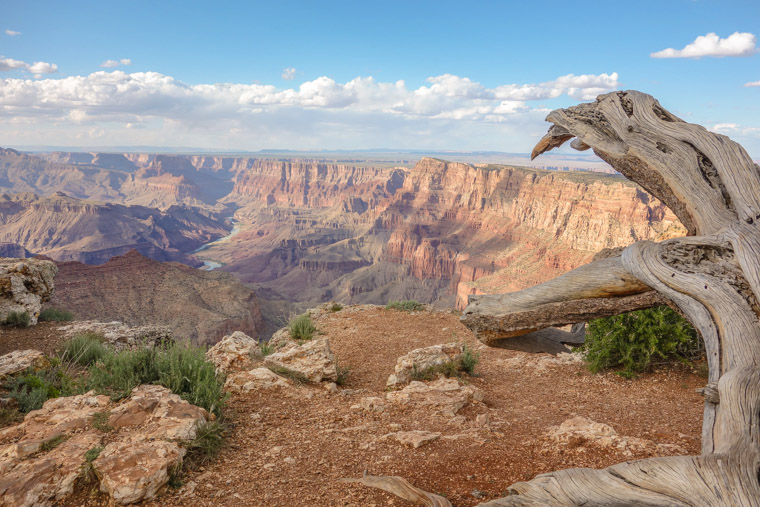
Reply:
x=255, y=380
x=20, y=360
x=312, y=359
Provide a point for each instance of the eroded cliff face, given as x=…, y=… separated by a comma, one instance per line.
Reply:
x=65, y=228
x=439, y=231
x=200, y=306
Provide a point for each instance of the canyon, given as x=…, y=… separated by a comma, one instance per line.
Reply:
x=313, y=230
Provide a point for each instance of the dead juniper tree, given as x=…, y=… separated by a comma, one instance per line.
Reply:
x=712, y=276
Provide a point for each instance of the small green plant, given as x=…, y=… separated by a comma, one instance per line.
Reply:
x=9, y=417
x=88, y=469
x=336, y=307
x=469, y=360
x=447, y=369
x=208, y=442
x=100, y=421
x=265, y=349
x=53, y=442
x=17, y=319
x=83, y=349
x=409, y=305
x=55, y=315
x=302, y=328
x=633, y=342
x=298, y=378
x=343, y=373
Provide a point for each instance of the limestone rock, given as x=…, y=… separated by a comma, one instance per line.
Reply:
x=313, y=360
x=143, y=449
x=120, y=335
x=582, y=432
x=134, y=471
x=24, y=285
x=281, y=339
x=370, y=404
x=19, y=360
x=445, y=396
x=233, y=352
x=423, y=359
x=254, y=380
x=415, y=438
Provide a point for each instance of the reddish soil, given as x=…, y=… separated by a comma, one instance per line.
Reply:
x=293, y=446
x=44, y=337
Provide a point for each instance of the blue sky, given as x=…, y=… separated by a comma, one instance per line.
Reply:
x=350, y=75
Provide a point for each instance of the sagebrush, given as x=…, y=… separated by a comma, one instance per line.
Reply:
x=301, y=327
x=409, y=305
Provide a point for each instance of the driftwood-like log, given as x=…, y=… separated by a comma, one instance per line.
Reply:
x=712, y=276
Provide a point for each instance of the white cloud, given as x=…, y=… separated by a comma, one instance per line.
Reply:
x=36, y=68
x=39, y=68
x=115, y=63
x=12, y=33
x=736, y=44
x=289, y=73
x=318, y=113
x=752, y=84
x=7, y=64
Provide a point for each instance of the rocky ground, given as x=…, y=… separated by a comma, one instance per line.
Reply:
x=293, y=445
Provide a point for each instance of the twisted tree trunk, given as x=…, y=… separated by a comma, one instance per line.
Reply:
x=712, y=276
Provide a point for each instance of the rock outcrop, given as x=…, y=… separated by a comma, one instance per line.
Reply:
x=312, y=359
x=41, y=458
x=255, y=380
x=233, y=352
x=201, y=306
x=21, y=360
x=445, y=396
x=119, y=335
x=24, y=285
x=419, y=361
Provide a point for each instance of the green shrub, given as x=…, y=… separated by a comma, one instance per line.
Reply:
x=17, y=319
x=182, y=369
x=343, y=373
x=464, y=364
x=83, y=349
x=301, y=327
x=265, y=348
x=469, y=360
x=9, y=417
x=336, y=307
x=55, y=315
x=100, y=421
x=634, y=341
x=34, y=388
x=209, y=440
x=409, y=305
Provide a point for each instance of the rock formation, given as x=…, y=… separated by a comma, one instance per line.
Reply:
x=41, y=458
x=313, y=360
x=21, y=360
x=233, y=352
x=68, y=229
x=420, y=360
x=24, y=285
x=201, y=306
x=120, y=336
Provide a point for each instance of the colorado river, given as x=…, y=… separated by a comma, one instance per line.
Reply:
x=208, y=265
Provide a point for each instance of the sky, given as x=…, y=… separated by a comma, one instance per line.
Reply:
x=438, y=75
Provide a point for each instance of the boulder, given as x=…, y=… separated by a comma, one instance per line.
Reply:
x=24, y=285
x=20, y=360
x=583, y=432
x=120, y=335
x=445, y=396
x=419, y=360
x=254, y=380
x=312, y=359
x=415, y=438
x=41, y=457
x=233, y=352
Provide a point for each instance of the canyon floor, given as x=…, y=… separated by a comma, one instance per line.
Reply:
x=294, y=445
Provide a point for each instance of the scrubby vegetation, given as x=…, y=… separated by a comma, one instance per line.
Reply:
x=466, y=363
x=336, y=307
x=16, y=319
x=209, y=440
x=634, y=342
x=343, y=373
x=32, y=389
x=83, y=349
x=301, y=327
x=182, y=369
x=265, y=349
x=55, y=315
x=409, y=305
